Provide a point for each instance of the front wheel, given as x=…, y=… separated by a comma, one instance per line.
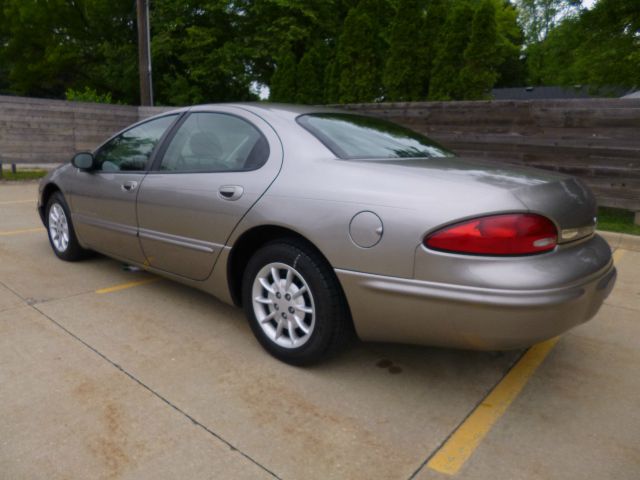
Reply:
x=294, y=303
x=62, y=236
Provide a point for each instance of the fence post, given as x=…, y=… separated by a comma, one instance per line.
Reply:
x=0, y=167
x=13, y=168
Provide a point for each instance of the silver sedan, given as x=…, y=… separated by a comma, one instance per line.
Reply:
x=324, y=225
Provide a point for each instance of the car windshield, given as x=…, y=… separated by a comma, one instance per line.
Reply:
x=357, y=137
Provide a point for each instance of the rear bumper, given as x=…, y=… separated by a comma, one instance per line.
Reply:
x=429, y=313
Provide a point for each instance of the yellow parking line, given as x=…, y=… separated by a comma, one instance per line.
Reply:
x=461, y=445
x=19, y=232
x=123, y=286
x=11, y=202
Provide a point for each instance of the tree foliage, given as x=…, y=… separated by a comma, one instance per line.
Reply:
x=310, y=76
x=599, y=48
x=314, y=52
x=539, y=17
x=405, y=68
x=432, y=30
x=512, y=67
x=449, y=60
x=283, y=81
x=87, y=95
x=479, y=73
x=359, y=56
x=55, y=45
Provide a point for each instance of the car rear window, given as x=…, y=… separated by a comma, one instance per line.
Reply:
x=357, y=137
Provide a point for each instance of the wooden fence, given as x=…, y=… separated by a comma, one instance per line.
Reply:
x=50, y=131
x=597, y=140
x=34, y=130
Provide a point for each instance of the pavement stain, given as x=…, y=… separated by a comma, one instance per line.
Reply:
x=110, y=442
x=111, y=448
x=388, y=364
x=314, y=427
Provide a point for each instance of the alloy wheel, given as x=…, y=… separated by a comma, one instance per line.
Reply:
x=283, y=305
x=58, y=227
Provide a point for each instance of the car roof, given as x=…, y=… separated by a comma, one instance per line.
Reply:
x=277, y=109
x=284, y=111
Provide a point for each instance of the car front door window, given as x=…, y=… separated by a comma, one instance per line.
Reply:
x=131, y=150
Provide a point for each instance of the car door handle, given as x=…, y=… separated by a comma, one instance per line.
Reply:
x=129, y=186
x=230, y=192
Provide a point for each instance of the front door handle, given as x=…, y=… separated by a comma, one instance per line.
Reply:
x=129, y=186
x=230, y=192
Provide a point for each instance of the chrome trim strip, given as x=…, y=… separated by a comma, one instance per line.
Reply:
x=199, y=245
x=572, y=234
x=94, y=222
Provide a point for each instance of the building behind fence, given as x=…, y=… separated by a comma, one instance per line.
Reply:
x=597, y=140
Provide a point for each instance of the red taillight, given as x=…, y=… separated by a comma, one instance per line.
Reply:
x=509, y=234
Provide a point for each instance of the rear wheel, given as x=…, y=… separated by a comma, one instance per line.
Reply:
x=294, y=303
x=62, y=236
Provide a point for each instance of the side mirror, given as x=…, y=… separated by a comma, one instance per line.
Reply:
x=83, y=161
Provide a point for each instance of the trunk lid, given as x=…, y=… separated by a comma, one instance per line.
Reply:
x=562, y=198
x=568, y=202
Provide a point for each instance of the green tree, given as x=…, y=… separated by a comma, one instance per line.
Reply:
x=445, y=77
x=310, y=77
x=266, y=25
x=512, y=67
x=539, y=17
x=405, y=66
x=598, y=48
x=361, y=51
x=197, y=53
x=480, y=60
x=332, y=82
x=4, y=40
x=314, y=51
x=429, y=38
x=283, y=82
x=54, y=45
x=87, y=95
x=552, y=61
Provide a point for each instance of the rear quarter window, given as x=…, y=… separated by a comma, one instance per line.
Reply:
x=354, y=137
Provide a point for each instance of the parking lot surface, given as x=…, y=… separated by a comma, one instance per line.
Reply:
x=108, y=373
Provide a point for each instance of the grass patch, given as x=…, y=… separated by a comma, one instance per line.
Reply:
x=22, y=175
x=617, y=220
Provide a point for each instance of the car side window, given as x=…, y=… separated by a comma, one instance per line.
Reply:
x=130, y=150
x=215, y=142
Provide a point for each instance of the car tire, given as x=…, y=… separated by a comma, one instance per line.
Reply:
x=302, y=316
x=62, y=236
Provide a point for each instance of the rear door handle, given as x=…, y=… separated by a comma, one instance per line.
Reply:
x=230, y=192
x=129, y=186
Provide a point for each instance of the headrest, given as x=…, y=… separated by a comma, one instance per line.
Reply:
x=205, y=144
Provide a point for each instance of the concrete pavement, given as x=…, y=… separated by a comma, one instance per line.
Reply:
x=162, y=381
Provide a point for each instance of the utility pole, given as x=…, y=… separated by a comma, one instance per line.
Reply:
x=144, y=53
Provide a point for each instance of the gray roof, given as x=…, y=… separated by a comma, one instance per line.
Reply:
x=541, y=93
